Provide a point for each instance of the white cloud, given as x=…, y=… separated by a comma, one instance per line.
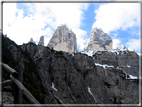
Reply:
x=70, y=14
x=9, y=16
x=133, y=44
x=81, y=37
x=116, y=43
x=21, y=28
x=115, y=16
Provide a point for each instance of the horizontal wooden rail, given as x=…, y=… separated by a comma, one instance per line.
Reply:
x=10, y=70
x=14, y=80
x=24, y=90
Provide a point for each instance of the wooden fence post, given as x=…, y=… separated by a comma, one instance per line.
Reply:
x=16, y=94
x=24, y=90
x=18, y=86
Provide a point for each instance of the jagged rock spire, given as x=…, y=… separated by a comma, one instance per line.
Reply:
x=31, y=40
x=41, y=41
x=99, y=40
x=63, y=39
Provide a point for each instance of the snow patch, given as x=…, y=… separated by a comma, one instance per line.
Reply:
x=58, y=99
x=139, y=53
x=92, y=52
x=117, y=67
x=115, y=51
x=128, y=76
x=54, y=87
x=104, y=66
x=128, y=66
x=91, y=93
x=122, y=48
x=89, y=53
x=73, y=54
x=132, y=77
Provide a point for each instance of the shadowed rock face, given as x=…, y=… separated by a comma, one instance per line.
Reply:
x=77, y=79
x=99, y=40
x=63, y=39
x=125, y=60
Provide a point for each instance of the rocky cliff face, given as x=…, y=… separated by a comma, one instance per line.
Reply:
x=99, y=40
x=120, y=58
x=81, y=79
x=63, y=39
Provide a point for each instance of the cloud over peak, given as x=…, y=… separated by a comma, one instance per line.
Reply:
x=116, y=16
x=42, y=19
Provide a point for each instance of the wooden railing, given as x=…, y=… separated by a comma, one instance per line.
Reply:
x=17, y=85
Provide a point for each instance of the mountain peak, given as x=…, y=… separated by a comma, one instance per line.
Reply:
x=41, y=41
x=121, y=48
x=31, y=40
x=63, y=39
x=99, y=40
x=62, y=26
x=95, y=29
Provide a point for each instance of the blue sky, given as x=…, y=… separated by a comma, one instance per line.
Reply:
x=22, y=21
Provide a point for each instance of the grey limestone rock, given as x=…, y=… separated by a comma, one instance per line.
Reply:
x=63, y=39
x=76, y=78
x=99, y=40
x=125, y=60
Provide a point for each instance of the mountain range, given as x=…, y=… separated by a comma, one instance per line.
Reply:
x=59, y=74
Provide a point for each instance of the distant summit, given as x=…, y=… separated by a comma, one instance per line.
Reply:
x=99, y=40
x=121, y=48
x=32, y=41
x=41, y=41
x=63, y=39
